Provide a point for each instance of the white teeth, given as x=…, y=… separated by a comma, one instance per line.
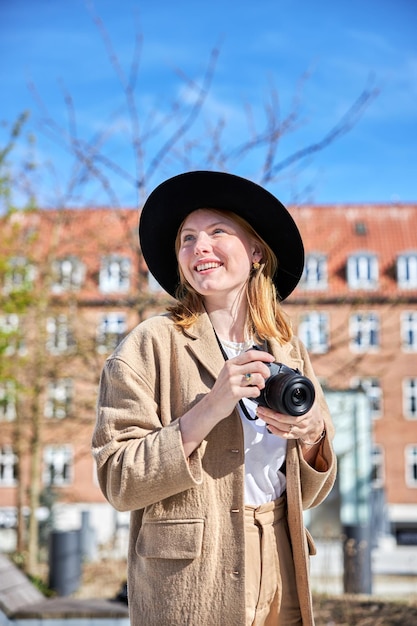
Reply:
x=206, y=266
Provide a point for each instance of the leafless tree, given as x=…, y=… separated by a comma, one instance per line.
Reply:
x=169, y=136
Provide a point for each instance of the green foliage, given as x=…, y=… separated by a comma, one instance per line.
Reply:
x=17, y=287
x=14, y=179
x=42, y=586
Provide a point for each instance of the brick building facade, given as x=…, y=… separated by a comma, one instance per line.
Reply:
x=355, y=309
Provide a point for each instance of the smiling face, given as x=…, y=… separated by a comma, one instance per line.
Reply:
x=215, y=254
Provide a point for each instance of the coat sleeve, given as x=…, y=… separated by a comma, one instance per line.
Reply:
x=317, y=482
x=139, y=460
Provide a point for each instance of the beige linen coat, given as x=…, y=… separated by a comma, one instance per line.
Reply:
x=187, y=543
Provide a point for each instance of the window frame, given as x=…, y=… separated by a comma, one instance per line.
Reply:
x=313, y=330
x=115, y=274
x=8, y=400
x=372, y=387
x=59, y=398
x=59, y=335
x=8, y=465
x=70, y=279
x=20, y=275
x=378, y=466
x=409, y=389
x=406, y=268
x=66, y=472
x=362, y=271
x=410, y=465
x=408, y=331
x=364, y=324
x=105, y=344
x=315, y=273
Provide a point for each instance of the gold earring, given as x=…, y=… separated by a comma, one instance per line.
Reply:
x=256, y=265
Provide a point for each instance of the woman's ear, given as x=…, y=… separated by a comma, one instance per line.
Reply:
x=256, y=253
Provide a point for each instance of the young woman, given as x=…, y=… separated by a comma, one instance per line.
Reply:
x=215, y=476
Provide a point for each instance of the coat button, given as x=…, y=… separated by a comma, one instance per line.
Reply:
x=235, y=510
x=235, y=574
x=235, y=450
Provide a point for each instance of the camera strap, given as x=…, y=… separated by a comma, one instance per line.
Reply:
x=226, y=358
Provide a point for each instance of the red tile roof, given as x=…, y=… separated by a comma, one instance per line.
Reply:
x=337, y=231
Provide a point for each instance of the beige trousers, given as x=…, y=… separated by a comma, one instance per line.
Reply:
x=271, y=593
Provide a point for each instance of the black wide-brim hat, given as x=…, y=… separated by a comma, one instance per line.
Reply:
x=170, y=203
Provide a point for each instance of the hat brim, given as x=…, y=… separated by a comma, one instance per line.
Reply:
x=170, y=203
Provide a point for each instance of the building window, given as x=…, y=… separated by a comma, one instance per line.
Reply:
x=7, y=401
x=8, y=466
x=111, y=331
x=59, y=335
x=410, y=398
x=362, y=271
x=364, y=332
x=411, y=465
x=314, y=332
x=407, y=270
x=58, y=463
x=372, y=388
x=315, y=272
x=409, y=331
x=59, y=395
x=68, y=275
x=115, y=274
x=19, y=275
x=378, y=465
x=11, y=340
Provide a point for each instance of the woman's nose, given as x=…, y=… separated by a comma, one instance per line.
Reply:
x=202, y=243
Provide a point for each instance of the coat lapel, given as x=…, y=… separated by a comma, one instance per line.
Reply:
x=284, y=354
x=203, y=344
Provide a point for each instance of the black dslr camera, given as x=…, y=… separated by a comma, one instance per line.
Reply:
x=286, y=390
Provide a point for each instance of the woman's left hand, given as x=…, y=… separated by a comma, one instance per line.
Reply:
x=308, y=427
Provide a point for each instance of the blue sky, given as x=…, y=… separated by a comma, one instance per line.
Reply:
x=344, y=47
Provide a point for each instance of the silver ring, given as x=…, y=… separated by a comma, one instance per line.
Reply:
x=248, y=376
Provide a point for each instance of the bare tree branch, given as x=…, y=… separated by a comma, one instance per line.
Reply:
x=342, y=127
x=167, y=134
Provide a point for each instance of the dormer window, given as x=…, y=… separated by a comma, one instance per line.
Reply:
x=360, y=229
x=362, y=271
x=115, y=274
x=19, y=275
x=315, y=272
x=407, y=270
x=68, y=274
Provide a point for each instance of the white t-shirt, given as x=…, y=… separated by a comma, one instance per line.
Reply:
x=264, y=452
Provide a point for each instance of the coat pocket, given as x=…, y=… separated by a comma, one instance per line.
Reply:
x=170, y=539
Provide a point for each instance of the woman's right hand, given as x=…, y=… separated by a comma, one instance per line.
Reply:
x=242, y=376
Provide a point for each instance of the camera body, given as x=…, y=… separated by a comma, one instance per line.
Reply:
x=286, y=390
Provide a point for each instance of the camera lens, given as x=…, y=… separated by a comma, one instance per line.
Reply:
x=289, y=393
x=298, y=396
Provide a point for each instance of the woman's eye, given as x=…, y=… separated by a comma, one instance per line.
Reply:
x=218, y=230
x=187, y=238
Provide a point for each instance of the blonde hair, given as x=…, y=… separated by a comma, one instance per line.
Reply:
x=266, y=318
